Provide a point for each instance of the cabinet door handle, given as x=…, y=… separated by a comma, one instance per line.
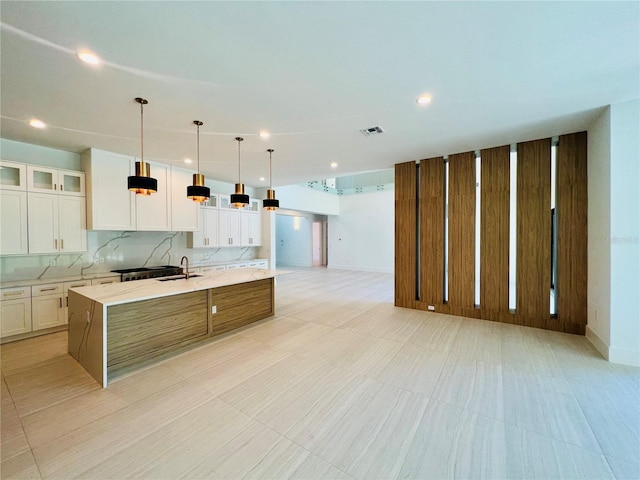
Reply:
x=48, y=289
x=61, y=187
x=55, y=244
x=11, y=294
x=55, y=186
x=62, y=244
x=60, y=299
x=67, y=301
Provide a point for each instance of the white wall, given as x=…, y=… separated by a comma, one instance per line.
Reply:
x=362, y=236
x=599, y=221
x=294, y=240
x=614, y=233
x=296, y=197
x=13, y=151
x=625, y=233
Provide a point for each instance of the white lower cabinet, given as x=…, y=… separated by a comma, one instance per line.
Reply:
x=65, y=289
x=264, y=264
x=15, y=311
x=47, y=306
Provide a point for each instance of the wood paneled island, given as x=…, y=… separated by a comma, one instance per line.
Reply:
x=118, y=326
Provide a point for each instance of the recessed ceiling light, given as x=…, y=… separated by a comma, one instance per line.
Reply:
x=264, y=134
x=35, y=123
x=424, y=99
x=187, y=160
x=334, y=165
x=88, y=56
x=262, y=179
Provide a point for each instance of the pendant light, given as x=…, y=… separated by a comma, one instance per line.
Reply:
x=270, y=203
x=239, y=199
x=142, y=183
x=198, y=192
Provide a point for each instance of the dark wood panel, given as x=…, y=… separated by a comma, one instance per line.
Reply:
x=143, y=330
x=462, y=221
x=240, y=305
x=405, y=234
x=571, y=208
x=494, y=231
x=432, y=231
x=533, y=213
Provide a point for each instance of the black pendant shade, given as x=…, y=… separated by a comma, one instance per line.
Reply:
x=142, y=183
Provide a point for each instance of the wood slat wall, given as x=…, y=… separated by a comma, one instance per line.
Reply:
x=494, y=232
x=571, y=209
x=405, y=235
x=432, y=198
x=533, y=241
x=533, y=230
x=462, y=226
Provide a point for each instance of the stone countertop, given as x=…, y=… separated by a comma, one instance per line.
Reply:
x=127, y=292
x=93, y=276
x=45, y=281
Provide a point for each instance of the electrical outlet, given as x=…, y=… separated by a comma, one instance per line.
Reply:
x=214, y=309
x=52, y=263
x=87, y=316
x=431, y=308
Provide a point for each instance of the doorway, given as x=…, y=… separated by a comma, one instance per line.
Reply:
x=319, y=243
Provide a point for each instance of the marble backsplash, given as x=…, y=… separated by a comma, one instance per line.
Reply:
x=117, y=250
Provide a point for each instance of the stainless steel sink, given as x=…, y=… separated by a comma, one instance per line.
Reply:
x=177, y=277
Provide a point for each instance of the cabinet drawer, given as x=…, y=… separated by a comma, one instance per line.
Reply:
x=79, y=283
x=104, y=281
x=15, y=293
x=49, y=289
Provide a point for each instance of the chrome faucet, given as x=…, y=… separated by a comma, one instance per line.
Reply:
x=187, y=270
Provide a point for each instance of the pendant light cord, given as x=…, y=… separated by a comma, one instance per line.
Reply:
x=239, y=139
x=270, y=169
x=141, y=132
x=198, y=145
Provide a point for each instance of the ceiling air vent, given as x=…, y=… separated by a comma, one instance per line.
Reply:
x=367, y=132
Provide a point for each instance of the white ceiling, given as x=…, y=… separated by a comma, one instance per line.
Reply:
x=313, y=74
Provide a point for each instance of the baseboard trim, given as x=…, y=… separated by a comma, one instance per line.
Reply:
x=359, y=269
x=597, y=342
x=624, y=356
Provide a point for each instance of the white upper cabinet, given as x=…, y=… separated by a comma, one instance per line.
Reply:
x=229, y=228
x=13, y=176
x=56, y=223
x=153, y=212
x=13, y=222
x=250, y=234
x=51, y=180
x=110, y=204
x=207, y=235
x=184, y=211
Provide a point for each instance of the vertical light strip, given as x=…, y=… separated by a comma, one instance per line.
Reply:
x=513, y=192
x=554, y=229
x=477, y=233
x=446, y=230
x=418, y=233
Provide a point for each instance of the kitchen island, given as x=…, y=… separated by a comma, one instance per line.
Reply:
x=114, y=327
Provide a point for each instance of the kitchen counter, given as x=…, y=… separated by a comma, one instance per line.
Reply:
x=117, y=327
x=45, y=281
x=126, y=292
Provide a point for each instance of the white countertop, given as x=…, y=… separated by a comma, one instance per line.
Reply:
x=126, y=292
x=45, y=281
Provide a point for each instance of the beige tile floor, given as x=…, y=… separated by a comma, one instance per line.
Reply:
x=339, y=384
